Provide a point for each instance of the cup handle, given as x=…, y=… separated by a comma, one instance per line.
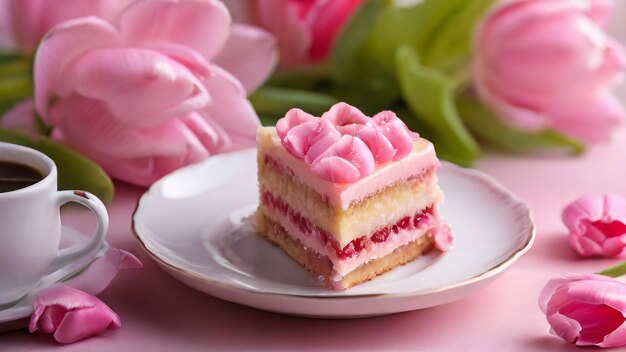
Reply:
x=68, y=255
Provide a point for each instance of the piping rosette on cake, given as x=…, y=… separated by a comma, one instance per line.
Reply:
x=347, y=196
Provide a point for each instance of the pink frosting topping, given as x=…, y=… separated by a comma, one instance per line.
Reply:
x=344, y=145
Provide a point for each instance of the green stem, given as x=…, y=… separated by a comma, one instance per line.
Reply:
x=614, y=271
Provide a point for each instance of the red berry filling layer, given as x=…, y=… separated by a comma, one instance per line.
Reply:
x=407, y=223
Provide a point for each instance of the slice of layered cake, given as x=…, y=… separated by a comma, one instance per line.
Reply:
x=347, y=196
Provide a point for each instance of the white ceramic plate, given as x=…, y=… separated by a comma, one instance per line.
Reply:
x=23, y=308
x=190, y=222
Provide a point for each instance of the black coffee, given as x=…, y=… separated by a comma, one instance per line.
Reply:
x=14, y=176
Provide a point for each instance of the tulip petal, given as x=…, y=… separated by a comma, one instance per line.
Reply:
x=200, y=25
x=614, y=208
x=250, y=54
x=7, y=41
x=614, y=297
x=585, y=291
x=83, y=121
x=573, y=116
x=596, y=321
x=31, y=19
x=516, y=116
x=209, y=133
x=191, y=59
x=140, y=87
x=20, y=117
x=103, y=270
x=550, y=288
x=588, y=208
x=61, y=46
x=231, y=110
x=585, y=246
x=593, y=232
x=616, y=338
x=586, y=309
x=597, y=225
x=240, y=10
x=564, y=327
x=600, y=11
x=613, y=247
x=330, y=16
x=280, y=17
x=549, y=64
x=70, y=314
x=80, y=324
x=142, y=171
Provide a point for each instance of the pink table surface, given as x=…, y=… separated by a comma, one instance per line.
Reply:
x=160, y=314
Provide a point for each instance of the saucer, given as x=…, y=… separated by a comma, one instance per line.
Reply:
x=23, y=308
x=193, y=224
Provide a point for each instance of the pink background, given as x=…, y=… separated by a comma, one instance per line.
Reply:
x=160, y=314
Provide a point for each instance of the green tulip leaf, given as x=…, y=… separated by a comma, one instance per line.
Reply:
x=346, y=50
x=440, y=32
x=305, y=78
x=429, y=94
x=450, y=47
x=14, y=67
x=15, y=87
x=11, y=57
x=414, y=26
x=359, y=81
x=363, y=59
x=272, y=103
x=75, y=171
x=487, y=127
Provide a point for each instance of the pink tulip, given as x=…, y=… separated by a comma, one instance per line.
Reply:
x=148, y=95
x=20, y=117
x=586, y=310
x=7, y=43
x=597, y=225
x=31, y=19
x=305, y=29
x=70, y=311
x=71, y=315
x=549, y=64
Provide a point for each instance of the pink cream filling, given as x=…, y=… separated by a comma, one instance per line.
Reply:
x=365, y=248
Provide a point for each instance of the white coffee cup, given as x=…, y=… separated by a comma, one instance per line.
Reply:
x=30, y=226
